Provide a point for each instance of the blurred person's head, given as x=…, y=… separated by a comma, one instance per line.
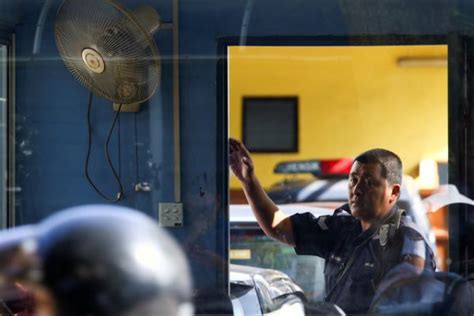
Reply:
x=104, y=260
x=374, y=184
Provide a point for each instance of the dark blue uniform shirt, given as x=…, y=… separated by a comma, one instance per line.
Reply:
x=351, y=283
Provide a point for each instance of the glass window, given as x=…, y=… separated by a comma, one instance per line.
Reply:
x=250, y=247
x=134, y=102
x=350, y=99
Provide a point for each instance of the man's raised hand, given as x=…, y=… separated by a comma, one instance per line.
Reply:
x=240, y=161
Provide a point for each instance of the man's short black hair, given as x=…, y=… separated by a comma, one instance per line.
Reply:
x=389, y=161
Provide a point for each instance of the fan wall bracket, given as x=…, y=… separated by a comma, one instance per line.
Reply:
x=129, y=108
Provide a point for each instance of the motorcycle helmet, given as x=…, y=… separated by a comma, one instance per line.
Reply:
x=99, y=260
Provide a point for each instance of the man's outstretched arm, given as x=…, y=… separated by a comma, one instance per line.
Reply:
x=274, y=222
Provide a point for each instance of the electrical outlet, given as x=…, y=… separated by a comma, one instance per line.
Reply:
x=170, y=214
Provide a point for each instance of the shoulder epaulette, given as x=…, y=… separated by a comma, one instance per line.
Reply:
x=343, y=210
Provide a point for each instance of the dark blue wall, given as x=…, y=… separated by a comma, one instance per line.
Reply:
x=51, y=108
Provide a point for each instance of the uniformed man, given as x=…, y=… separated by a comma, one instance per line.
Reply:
x=361, y=241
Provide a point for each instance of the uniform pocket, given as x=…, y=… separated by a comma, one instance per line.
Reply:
x=333, y=268
x=364, y=272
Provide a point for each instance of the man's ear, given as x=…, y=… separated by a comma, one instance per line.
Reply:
x=395, y=194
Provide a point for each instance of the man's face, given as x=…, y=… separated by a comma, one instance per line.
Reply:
x=370, y=194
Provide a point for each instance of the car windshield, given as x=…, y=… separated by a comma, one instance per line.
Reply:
x=250, y=247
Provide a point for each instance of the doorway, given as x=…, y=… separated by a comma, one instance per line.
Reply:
x=348, y=99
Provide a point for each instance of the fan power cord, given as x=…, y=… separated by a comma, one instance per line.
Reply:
x=120, y=194
x=137, y=178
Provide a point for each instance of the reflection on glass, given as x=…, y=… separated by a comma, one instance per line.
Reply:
x=257, y=250
x=3, y=133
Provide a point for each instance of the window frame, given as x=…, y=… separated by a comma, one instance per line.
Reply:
x=7, y=216
x=461, y=136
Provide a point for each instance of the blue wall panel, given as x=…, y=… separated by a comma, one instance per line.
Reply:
x=51, y=119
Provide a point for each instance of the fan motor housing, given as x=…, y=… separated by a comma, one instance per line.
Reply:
x=93, y=60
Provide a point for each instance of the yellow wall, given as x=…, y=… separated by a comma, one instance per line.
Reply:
x=350, y=99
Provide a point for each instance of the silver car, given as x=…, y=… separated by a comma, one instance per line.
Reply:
x=258, y=292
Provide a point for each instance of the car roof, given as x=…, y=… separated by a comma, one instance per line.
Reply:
x=243, y=273
x=278, y=282
x=242, y=213
x=326, y=189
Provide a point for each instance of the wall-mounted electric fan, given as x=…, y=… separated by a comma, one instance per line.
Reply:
x=111, y=52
